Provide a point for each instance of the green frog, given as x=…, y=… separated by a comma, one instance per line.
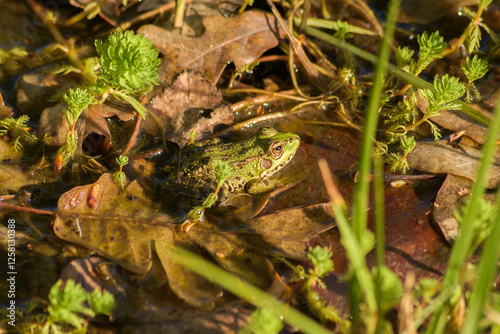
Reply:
x=254, y=161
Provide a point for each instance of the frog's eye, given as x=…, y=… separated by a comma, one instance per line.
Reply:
x=276, y=149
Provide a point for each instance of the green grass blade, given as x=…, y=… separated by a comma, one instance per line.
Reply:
x=246, y=291
x=487, y=273
x=464, y=240
x=413, y=80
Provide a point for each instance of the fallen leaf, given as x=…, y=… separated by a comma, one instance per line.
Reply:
x=446, y=203
x=190, y=104
x=240, y=39
x=439, y=157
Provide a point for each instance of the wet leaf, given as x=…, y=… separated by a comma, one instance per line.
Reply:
x=190, y=104
x=453, y=189
x=240, y=39
x=53, y=124
x=35, y=89
x=124, y=227
x=439, y=157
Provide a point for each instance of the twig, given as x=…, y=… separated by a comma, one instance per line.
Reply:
x=19, y=208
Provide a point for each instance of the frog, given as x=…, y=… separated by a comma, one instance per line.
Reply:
x=254, y=161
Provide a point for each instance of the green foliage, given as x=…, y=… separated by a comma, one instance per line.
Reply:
x=404, y=59
x=119, y=177
x=483, y=223
x=223, y=171
x=17, y=130
x=263, y=321
x=77, y=99
x=398, y=161
x=430, y=49
x=446, y=92
x=322, y=265
x=67, y=310
x=128, y=61
x=474, y=69
x=343, y=30
x=11, y=60
x=101, y=303
x=389, y=288
x=321, y=260
x=66, y=306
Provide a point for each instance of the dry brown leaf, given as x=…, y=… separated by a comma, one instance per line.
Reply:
x=440, y=157
x=240, y=39
x=191, y=104
x=53, y=124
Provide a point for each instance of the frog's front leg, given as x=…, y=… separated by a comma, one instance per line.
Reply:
x=256, y=187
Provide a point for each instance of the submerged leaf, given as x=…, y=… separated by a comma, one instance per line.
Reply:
x=240, y=39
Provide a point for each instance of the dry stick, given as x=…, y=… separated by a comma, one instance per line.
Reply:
x=14, y=207
x=71, y=54
x=133, y=138
x=297, y=47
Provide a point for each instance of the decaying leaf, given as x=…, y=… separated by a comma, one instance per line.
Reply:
x=54, y=126
x=129, y=228
x=190, y=104
x=240, y=39
x=453, y=189
x=439, y=157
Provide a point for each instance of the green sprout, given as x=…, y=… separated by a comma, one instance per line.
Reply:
x=17, y=130
x=404, y=59
x=67, y=305
x=397, y=161
x=443, y=97
x=474, y=69
x=119, y=177
x=320, y=258
x=129, y=66
x=431, y=47
x=263, y=321
x=77, y=100
x=223, y=171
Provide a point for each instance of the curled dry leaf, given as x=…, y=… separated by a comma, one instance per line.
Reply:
x=53, y=124
x=190, y=104
x=240, y=39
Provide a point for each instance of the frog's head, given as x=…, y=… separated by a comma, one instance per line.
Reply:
x=281, y=147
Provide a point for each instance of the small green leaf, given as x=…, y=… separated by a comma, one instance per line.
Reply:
x=474, y=68
x=101, y=303
x=67, y=303
x=122, y=160
x=321, y=260
x=223, y=171
x=431, y=47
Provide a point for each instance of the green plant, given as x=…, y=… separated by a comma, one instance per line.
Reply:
x=77, y=100
x=129, y=67
x=264, y=321
x=222, y=170
x=320, y=258
x=474, y=69
x=67, y=310
x=17, y=130
x=119, y=177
